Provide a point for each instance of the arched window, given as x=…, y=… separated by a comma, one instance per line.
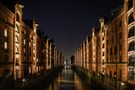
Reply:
x=131, y=32
x=131, y=18
x=131, y=46
x=130, y=4
x=132, y=60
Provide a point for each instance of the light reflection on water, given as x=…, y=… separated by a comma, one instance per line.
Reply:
x=67, y=80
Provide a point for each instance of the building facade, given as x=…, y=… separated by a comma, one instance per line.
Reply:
x=112, y=47
x=24, y=49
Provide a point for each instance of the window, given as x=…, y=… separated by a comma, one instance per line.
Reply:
x=17, y=50
x=131, y=60
x=6, y=58
x=131, y=18
x=131, y=32
x=107, y=42
x=131, y=73
x=17, y=39
x=17, y=28
x=5, y=32
x=131, y=46
x=103, y=46
x=24, y=50
x=111, y=51
x=29, y=70
x=115, y=74
x=103, y=38
x=29, y=44
x=5, y=45
x=24, y=41
x=103, y=53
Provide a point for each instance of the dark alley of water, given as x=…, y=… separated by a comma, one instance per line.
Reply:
x=67, y=80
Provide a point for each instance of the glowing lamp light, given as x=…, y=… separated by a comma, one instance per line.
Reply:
x=115, y=76
x=24, y=80
x=122, y=84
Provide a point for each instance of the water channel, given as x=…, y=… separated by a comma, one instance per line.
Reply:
x=67, y=80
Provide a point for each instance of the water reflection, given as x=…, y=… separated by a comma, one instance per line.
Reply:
x=67, y=80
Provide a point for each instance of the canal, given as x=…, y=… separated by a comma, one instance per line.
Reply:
x=67, y=80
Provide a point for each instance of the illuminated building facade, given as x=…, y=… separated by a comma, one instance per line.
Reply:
x=24, y=49
x=112, y=47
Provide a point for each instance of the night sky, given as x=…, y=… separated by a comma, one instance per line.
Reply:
x=68, y=22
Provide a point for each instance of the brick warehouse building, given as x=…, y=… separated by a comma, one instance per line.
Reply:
x=24, y=48
x=112, y=48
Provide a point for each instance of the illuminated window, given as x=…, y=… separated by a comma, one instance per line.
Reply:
x=29, y=44
x=29, y=70
x=17, y=28
x=24, y=50
x=5, y=32
x=24, y=41
x=17, y=39
x=5, y=45
x=17, y=50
